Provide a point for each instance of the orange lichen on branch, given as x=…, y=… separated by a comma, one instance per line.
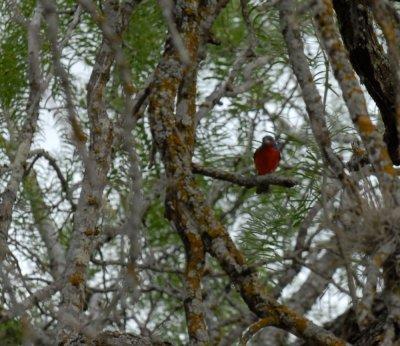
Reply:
x=350, y=76
x=89, y=232
x=329, y=8
x=169, y=85
x=365, y=124
x=214, y=229
x=387, y=163
x=248, y=288
x=196, y=244
x=196, y=323
x=192, y=40
x=129, y=88
x=77, y=131
x=76, y=279
x=174, y=141
x=93, y=201
x=195, y=258
x=299, y=322
x=195, y=264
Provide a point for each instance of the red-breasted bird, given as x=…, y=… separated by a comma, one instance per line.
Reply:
x=267, y=157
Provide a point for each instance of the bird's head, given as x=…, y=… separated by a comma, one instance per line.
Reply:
x=268, y=141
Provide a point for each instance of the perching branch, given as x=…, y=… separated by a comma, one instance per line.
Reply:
x=248, y=182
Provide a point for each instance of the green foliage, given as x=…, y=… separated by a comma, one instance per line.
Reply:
x=160, y=231
x=229, y=27
x=11, y=333
x=268, y=232
x=144, y=40
x=13, y=64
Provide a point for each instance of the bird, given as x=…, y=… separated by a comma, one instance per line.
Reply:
x=266, y=158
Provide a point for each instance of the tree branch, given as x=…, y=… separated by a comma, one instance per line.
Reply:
x=242, y=180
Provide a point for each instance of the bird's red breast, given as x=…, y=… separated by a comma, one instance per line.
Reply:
x=266, y=159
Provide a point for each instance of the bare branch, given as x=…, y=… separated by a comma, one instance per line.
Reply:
x=53, y=163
